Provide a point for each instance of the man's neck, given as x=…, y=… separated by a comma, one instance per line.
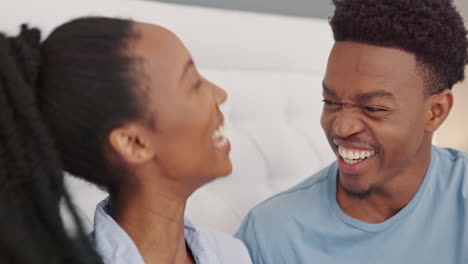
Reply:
x=388, y=199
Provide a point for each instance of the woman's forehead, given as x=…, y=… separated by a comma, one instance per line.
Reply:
x=152, y=37
x=159, y=49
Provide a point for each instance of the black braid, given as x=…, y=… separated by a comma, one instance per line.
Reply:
x=26, y=46
x=30, y=171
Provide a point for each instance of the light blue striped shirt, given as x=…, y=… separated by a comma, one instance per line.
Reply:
x=208, y=246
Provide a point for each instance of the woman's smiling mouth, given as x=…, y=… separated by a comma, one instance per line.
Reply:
x=219, y=139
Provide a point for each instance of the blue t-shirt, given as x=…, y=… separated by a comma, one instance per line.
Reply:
x=306, y=225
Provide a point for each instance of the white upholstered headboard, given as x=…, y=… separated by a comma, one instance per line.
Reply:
x=271, y=67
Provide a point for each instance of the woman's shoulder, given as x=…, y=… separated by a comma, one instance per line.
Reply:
x=229, y=248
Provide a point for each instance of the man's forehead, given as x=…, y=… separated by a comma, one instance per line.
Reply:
x=361, y=68
x=373, y=60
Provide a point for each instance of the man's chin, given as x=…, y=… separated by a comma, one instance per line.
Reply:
x=358, y=193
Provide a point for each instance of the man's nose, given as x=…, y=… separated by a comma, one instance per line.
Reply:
x=347, y=123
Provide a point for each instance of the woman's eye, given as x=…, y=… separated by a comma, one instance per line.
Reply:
x=198, y=84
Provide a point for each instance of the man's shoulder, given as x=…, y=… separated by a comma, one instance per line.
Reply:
x=306, y=193
x=451, y=162
x=267, y=227
x=451, y=154
x=452, y=170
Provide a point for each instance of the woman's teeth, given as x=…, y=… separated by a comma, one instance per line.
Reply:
x=218, y=132
x=221, y=142
x=353, y=156
x=218, y=137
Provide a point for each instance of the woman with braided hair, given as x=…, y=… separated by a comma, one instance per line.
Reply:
x=30, y=172
x=120, y=104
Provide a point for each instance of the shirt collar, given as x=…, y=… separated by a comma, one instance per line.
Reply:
x=112, y=243
x=115, y=246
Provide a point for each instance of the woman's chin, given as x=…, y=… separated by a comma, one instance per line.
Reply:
x=223, y=169
x=227, y=169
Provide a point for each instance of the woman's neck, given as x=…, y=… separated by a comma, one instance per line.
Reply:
x=154, y=219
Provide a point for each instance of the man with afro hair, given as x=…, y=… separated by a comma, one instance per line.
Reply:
x=391, y=197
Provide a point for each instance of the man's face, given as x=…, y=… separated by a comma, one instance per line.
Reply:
x=374, y=114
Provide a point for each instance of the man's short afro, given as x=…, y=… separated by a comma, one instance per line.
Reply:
x=432, y=30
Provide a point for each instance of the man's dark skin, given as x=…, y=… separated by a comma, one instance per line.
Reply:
x=376, y=100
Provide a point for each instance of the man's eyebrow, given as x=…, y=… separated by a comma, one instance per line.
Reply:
x=187, y=66
x=364, y=97
x=328, y=90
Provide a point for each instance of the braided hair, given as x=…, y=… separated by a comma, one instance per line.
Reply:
x=30, y=171
x=58, y=99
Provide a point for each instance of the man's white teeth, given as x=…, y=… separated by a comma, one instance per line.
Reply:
x=219, y=133
x=350, y=161
x=354, y=156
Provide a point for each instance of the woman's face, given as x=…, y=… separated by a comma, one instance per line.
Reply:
x=188, y=125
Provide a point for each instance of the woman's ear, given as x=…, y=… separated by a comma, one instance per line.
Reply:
x=132, y=144
x=439, y=106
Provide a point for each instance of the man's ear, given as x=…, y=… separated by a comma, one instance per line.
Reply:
x=439, y=106
x=132, y=144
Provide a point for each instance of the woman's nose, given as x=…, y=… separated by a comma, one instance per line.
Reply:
x=219, y=94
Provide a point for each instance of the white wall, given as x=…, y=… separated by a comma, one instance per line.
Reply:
x=305, y=8
x=463, y=7
x=454, y=132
